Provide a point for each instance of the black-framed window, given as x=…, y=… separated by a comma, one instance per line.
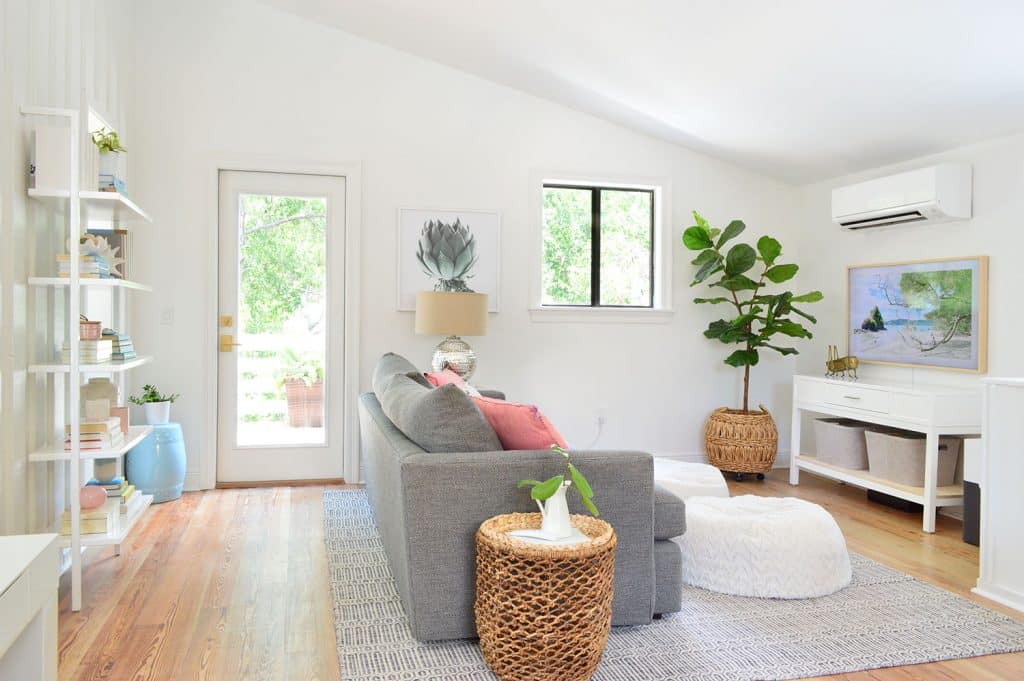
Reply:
x=598, y=246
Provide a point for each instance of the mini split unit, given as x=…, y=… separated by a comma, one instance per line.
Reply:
x=938, y=193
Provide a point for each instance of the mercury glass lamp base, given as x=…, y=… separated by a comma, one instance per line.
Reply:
x=455, y=354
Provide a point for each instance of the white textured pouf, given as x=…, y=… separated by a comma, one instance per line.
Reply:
x=685, y=479
x=767, y=547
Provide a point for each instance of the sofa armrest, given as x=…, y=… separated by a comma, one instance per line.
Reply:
x=447, y=496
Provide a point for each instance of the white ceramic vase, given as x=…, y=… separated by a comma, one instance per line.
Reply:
x=555, y=513
x=157, y=412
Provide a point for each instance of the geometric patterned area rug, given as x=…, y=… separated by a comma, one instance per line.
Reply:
x=883, y=619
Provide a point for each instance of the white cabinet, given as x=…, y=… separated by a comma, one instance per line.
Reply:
x=28, y=607
x=1002, y=493
x=932, y=410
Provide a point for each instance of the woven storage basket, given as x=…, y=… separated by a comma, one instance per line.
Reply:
x=898, y=456
x=841, y=443
x=741, y=443
x=543, y=613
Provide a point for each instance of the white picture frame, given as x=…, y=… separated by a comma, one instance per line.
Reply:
x=486, y=228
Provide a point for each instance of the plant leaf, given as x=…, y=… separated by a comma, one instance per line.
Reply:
x=699, y=219
x=707, y=269
x=733, y=229
x=740, y=282
x=810, y=297
x=741, y=358
x=581, y=482
x=769, y=248
x=556, y=448
x=590, y=506
x=789, y=328
x=547, y=488
x=740, y=258
x=783, y=351
x=696, y=238
x=811, y=318
x=705, y=256
x=713, y=301
x=523, y=483
x=781, y=273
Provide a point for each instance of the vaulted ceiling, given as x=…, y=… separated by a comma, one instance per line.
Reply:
x=798, y=89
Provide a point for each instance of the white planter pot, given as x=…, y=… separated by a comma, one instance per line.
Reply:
x=157, y=412
x=110, y=164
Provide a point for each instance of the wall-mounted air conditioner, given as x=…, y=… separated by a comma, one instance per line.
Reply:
x=934, y=194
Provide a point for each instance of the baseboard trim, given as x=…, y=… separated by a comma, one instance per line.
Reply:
x=193, y=481
x=1001, y=595
x=781, y=460
x=280, y=483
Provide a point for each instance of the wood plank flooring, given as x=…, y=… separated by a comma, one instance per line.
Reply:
x=232, y=584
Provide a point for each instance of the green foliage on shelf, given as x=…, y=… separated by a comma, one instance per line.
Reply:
x=151, y=394
x=107, y=141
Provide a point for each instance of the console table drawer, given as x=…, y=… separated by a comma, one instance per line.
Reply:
x=851, y=397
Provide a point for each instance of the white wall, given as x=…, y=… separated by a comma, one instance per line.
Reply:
x=995, y=231
x=60, y=53
x=249, y=79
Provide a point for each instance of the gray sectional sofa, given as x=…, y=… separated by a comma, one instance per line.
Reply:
x=428, y=505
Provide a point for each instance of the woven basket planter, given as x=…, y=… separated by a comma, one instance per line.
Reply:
x=543, y=613
x=738, y=442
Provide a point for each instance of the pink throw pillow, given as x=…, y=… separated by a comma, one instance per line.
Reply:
x=519, y=426
x=439, y=378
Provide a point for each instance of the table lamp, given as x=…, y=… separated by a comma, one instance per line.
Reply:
x=452, y=315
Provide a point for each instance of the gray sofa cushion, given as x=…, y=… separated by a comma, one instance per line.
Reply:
x=387, y=366
x=669, y=514
x=442, y=419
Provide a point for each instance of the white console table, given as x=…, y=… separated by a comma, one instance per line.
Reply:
x=928, y=409
x=28, y=607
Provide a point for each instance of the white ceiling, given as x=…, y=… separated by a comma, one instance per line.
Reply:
x=799, y=89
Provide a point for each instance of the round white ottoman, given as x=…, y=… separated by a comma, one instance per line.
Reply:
x=767, y=547
x=685, y=479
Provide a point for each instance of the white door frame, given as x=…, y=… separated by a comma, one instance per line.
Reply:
x=352, y=172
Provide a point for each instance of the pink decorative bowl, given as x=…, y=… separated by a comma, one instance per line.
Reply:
x=92, y=496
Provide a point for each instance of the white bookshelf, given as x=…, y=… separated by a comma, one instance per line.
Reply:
x=90, y=283
x=97, y=206
x=56, y=452
x=83, y=208
x=112, y=367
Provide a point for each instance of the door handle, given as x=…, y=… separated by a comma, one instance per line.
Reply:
x=227, y=341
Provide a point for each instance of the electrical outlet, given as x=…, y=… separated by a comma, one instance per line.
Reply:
x=167, y=315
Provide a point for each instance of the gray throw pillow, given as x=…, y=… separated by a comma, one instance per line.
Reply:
x=420, y=378
x=442, y=419
x=387, y=366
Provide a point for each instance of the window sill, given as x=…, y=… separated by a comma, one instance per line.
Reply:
x=605, y=315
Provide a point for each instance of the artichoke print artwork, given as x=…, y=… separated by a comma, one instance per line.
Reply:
x=447, y=253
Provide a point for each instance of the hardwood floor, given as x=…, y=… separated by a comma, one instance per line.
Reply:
x=232, y=584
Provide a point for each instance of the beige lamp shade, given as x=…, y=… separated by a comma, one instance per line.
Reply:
x=451, y=314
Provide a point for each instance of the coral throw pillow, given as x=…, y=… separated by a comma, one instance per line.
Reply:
x=519, y=426
x=439, y=378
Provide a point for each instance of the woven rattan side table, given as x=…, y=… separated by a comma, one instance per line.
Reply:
x=543, y=613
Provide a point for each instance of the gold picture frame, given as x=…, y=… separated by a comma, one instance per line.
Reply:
x=922, y=327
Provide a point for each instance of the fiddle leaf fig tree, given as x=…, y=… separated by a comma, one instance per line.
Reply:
x=742, y=274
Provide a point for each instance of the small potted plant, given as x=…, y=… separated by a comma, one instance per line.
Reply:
x=745, y=440
x=554, y=510
x=155, y=405
x=109, y=146
x=302, y=376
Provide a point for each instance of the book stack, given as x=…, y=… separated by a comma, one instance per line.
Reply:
x=122, y=346
x=97, y=521
x=89, y=351
x=128, y=498
x=111, y=183
x=96, y=434
x=89, y=267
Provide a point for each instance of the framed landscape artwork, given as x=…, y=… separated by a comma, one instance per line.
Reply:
x=930, y=313
x=447, y=250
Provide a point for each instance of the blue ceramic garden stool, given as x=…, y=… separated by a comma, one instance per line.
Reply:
x=157, y=464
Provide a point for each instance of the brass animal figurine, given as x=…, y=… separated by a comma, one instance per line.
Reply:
x=836, y=365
